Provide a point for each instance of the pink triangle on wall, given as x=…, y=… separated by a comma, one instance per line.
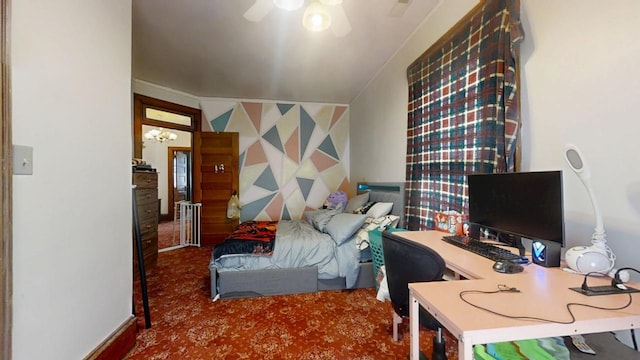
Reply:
x=339, y=110
x=254, y=111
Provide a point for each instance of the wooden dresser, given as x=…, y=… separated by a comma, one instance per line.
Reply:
x=147, y=202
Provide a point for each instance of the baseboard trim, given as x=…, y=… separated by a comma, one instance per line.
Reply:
x=118, y=344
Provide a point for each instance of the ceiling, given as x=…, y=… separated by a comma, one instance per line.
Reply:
x=206, y=48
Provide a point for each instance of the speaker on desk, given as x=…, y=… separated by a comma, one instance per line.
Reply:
x=546, y=254
x=474, y=231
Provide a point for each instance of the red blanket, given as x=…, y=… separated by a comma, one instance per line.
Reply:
x=250, y=237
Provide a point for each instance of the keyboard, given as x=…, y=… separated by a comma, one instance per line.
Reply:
x=489, y=251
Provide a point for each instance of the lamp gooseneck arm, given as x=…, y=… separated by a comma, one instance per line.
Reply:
x=598, y=239
x=599, y=236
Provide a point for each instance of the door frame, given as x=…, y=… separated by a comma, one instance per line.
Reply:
x=6, y=245
x=141, y=103
x=171, y=150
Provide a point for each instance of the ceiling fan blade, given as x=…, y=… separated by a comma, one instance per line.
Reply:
x=258, y=10
x=340, y=25
x=399, y=8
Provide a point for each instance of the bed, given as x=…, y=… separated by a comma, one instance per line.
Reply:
x=277, y=268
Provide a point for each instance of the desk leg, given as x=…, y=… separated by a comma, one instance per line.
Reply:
x=414, y=331
x=465, y=350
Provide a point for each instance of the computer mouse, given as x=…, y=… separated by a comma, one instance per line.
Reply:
x=507, y=267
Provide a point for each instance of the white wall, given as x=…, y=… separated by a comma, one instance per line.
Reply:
x=71, y=101
x=379, y=114
x=579, y=85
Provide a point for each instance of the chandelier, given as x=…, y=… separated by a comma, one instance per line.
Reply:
x=160, y=135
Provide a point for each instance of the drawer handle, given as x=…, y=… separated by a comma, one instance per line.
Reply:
x=148, y=226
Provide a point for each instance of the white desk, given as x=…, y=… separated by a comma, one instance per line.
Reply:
x=544, y=293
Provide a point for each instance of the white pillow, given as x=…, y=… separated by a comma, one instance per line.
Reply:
x=381, y=223
x=380, y=209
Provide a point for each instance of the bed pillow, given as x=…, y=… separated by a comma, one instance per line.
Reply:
x=381, y=223
x=342, y=226
x=356, y=202
x=379, y=209
x=321, y=217
x=364, y=208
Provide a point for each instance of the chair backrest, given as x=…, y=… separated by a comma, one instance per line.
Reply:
x=406, y=262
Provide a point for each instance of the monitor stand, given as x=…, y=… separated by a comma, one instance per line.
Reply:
x=513, y=241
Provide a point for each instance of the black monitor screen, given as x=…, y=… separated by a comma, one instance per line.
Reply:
x=525, y=204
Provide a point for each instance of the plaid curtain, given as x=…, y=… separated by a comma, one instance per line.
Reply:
x=463, y=111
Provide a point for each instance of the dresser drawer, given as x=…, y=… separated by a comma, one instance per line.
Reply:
x=146, y=212
x=145, y=180
x=150, y=226
x=147, y=197
x=149, y=242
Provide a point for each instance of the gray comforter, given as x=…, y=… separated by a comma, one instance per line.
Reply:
x=298, y=244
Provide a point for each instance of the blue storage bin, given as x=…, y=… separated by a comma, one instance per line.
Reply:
x=377, y=255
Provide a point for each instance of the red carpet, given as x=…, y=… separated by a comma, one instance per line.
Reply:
x=186, y=324
x=165, y=235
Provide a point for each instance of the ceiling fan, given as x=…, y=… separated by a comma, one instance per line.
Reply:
x=399, y=8
x=318, y=15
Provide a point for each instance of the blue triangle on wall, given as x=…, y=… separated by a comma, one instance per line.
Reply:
x=273, y=137
x=220, y=123
x=307, y=124
x=284, y=108
x=305, y=186
x=328, y=148
x=285, y=214
x=266, y=180
x=251, y=210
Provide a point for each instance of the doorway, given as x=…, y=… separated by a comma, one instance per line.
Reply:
x=159, y=127
x=180, y=179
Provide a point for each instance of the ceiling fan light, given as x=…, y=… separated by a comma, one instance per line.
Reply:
x=288, y=5
x=331, y=2
x=316, y=17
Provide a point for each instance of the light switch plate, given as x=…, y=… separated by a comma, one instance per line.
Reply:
x=22, y=160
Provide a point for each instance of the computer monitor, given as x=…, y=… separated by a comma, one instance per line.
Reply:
x=518, y=205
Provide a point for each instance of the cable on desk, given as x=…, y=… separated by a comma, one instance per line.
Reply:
x=507, y=289
x=616, y=282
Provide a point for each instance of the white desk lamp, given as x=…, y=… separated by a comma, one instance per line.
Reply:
x=598, y=257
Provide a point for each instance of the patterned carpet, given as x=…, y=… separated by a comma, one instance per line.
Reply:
x=165, y=235
x=186, y=324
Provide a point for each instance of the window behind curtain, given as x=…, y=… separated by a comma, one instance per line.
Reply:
x=463, y=110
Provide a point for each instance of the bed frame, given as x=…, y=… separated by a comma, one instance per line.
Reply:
x=253, y=283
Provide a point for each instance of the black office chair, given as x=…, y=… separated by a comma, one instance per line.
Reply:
x=406, y=262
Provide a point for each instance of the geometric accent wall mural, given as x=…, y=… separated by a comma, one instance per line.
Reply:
x=292, y=155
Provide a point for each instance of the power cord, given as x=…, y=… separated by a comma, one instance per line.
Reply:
x=616, y=278
x=508, y=289
x=617, y=283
